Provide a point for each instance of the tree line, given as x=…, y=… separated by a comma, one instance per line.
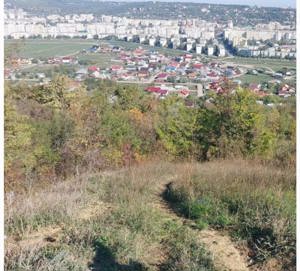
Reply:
x=52, y=133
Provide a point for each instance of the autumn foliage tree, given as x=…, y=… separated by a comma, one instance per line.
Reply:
x=52, y=132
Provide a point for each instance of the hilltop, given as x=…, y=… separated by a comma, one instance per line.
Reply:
x=233, y=214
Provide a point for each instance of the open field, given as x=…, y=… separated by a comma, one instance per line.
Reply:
x=100, y=59
x=259, y=78
x=49, y=48
x=274, y=64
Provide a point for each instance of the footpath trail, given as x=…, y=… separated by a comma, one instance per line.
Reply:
x=226, y=256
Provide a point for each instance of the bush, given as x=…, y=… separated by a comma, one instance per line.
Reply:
x=62, y=133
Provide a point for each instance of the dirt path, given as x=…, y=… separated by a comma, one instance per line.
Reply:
x=226, y=256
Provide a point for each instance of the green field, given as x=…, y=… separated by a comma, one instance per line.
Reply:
x=250, y=78
x=274, y=64
x=100, y=59
x=48, y=48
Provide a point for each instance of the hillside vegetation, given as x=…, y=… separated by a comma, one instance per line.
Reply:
x=115, y=179
x=53, y=133
x=116, y=220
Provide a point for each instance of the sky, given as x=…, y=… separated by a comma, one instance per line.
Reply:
x=264, y=3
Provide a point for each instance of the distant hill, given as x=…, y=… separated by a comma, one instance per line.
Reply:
x=241, y=14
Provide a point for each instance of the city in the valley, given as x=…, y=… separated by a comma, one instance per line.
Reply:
x=163, y=55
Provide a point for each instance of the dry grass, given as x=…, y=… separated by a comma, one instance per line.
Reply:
x=106, y=220
x=253, y=201
x=113, y=220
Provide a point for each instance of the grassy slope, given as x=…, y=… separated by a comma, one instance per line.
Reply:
x=254, y=202
x=109, y=220
x=113, y=220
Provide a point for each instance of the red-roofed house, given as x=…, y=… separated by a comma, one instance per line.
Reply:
x=93, y=69
x=161, y=77
x=157, y=90
x=221, y=90
x=138, y=52
x=184, y=93
x=116, y=68
x=143, y=74
x=174, y=64
x=66, y=59
x=153, y=89
x=284, y=91
x=197, y=66
x=212, y=74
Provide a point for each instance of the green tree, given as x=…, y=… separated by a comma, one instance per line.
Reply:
x=176, y=126
x=53, y=94
x=233, y=124
x=18, y=133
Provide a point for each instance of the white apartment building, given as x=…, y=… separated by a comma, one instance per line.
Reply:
x=199, y=49
x=221, y=51
x=19, y=24
x=152, y=41
x=236, y=35
x=210, y=50
x=189, y=46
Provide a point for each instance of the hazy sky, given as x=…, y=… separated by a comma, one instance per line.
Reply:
x=265, y=3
